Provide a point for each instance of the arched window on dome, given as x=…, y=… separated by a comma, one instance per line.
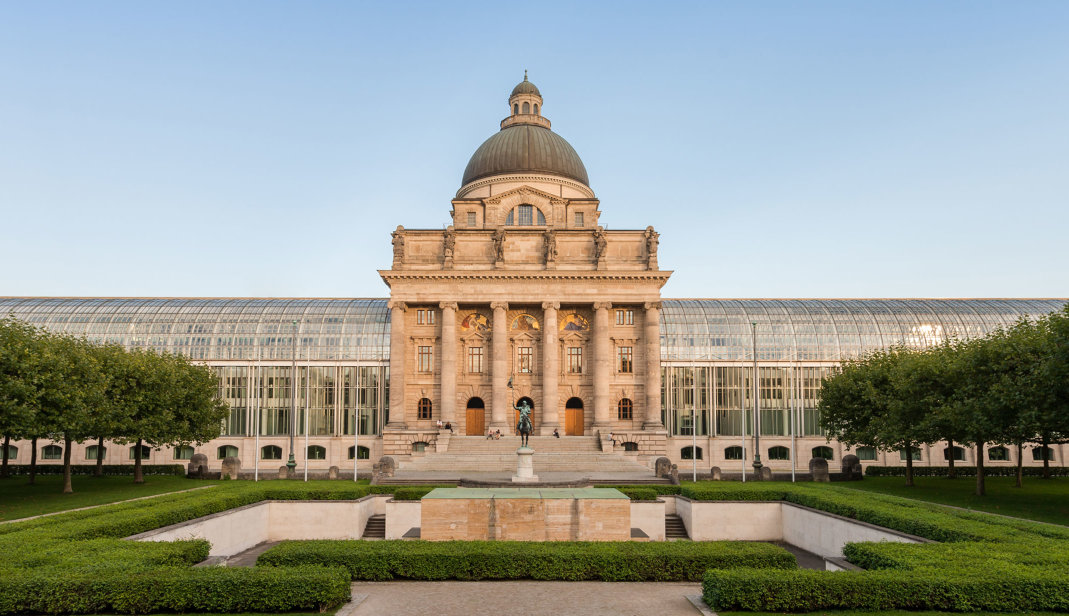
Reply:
x=527, y=107
x=536, y=108
x=525, y=215
x=516, y=109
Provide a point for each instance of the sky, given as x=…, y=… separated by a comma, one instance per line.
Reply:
x=782, y=149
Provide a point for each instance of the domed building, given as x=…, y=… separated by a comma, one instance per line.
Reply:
x=524, y=300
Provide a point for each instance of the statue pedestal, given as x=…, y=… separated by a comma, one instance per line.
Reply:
x=524, y=466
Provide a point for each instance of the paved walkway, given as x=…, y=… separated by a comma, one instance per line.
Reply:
x=529, y=598
x=129, y=500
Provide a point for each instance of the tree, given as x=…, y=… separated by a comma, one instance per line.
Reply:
x=19, y=366
x=1050, y=383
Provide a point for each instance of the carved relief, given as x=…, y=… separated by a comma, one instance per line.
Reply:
x=449, y=242
x=499, y=245
x=549, y=246
x=652, y=240
x=600, y=244
x=398, y=245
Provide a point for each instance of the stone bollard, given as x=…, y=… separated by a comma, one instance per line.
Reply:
x=385, y=467
x=818, y=468
x=674, y=475
x=662, y=467
x=283, y=472
x=715, y=473
x=766, y=474
x=198, y=466
x=852, y=470
x=332, y=472
x=231, y=467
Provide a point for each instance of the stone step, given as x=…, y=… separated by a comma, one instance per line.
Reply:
x=375, y=528
x=674, y=527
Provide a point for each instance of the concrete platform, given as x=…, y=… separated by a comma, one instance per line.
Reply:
x=417, y=477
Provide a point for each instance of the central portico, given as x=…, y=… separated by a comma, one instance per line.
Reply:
x=524, y=288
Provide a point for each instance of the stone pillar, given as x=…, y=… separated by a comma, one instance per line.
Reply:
x=499, y=369
x=449, y=361
x=653, y=367
x=550, y=370
x=398, y=363
x=602, y=366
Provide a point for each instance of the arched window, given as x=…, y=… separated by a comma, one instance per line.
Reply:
x=1037, y=453
x=183, y=452
x=733, y=453
x=902, y=454
x=363, y=452
x=11, y=453
x=823, y=452
x=145, y=452
x=270, y=452
x=527, y=107
x=424, y=408
x=630, y=446
x=525, y=215
x=865, y=453
x=625, y=409
x=419, y=447
x=51, y=452
x=958, y=453
x=231, y=451
x=316, y=452
x=779, y=453
x=91, y=452
x=690, y=453
x=536, y=108
x=998, y=454
x=515, y=109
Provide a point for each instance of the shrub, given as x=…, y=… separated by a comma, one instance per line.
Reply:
x=107, y=469
x=503, y=560
x=640, y=494
x=964, y=471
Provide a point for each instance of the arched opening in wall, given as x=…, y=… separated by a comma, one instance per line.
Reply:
x=475, y=417
x=145, y=452
x=823, y=451
x=779, y=453
x=51, y=452
x=11, y=452
x=363, y=453
x=516, y=413
x=525, y=215
x=865, y=453
x=536, y=108
x=317, y=452
x=630, y=446
x=958, y=453
x=573, y=417
x=1038, y=453
x=183, y=452
x=690, y=453
x=998, y=454
x=419, y=447
x=625, y=409
x=733, y=453
x=269, y=452
x=515, y=109
x=424, y=408
x=91, y=452
x=527, y=107
x=916, y=454
x=230, y=451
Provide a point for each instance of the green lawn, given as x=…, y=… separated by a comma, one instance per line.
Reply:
x=18, y=499
x=887, y=613
x=1045, y=500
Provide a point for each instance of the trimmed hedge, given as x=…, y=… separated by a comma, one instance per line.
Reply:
x=964, y=471
x=109, y=470
x=640, y=494
x=508, y=560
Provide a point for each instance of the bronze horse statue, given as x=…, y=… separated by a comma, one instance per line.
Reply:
x=523, y=426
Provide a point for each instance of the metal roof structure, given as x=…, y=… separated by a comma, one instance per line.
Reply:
x=525, y=148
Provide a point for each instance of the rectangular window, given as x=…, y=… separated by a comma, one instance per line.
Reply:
x=579, y=219
x=475, y=360
x=423, y=359
x=471, y=219
x=523, y=360
x=625, y=317
x=575, y=360
x=624, y=357
x=526, y=215
x=424, y=317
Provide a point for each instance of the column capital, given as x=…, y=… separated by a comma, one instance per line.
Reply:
x=602, y=305
x=399, y=305
x=652, y=305
x=550, y=305
x=448, y=306
x=501, y=305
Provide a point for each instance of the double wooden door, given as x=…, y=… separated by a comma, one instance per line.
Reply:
x=476, y=422
x=573, y=422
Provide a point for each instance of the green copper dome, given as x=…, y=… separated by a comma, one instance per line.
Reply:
x=525, y=148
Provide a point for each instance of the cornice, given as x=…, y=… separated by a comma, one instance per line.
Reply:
x=661, y=275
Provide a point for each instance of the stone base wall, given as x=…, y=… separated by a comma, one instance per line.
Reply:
x=402, y=442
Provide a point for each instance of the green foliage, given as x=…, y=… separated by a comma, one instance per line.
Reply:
x=964, y=471
x=640, y=494
x=505, y=560
x=409, y=494
x=108, y=469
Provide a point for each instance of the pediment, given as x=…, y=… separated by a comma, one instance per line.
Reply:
x=525, y=194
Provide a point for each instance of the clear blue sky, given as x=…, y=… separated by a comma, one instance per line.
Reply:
x=782, y=149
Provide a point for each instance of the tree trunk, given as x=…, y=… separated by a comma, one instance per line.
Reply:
x=1020, y=465
x=67, y=487
x=33, y=460
x=981, y=489
x=139, y=477
x=951, y=473
x=1046, y=456
x=99, y=470
x=3, y=465
x=909, y=465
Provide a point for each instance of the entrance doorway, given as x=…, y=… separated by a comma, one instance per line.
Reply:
x=516, y=413
x=476, y=417
x=573, y=417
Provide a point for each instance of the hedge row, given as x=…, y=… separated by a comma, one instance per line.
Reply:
x=507, y=560
x=809, y=591
x=109, y=470
x=964, y=471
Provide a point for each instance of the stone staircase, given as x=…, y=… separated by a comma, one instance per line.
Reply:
x=376, y=527
x=674, y=527
x=569, y=454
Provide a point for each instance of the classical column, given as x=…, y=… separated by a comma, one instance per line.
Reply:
x=653, y=367
x=449, y=361
x=398, y=365
x=602, y=366
x=550, y=369
x=499, y=369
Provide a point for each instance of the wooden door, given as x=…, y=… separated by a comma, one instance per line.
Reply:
x=573, y=422
x=476, y=425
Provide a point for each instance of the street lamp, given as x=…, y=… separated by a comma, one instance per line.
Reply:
x=756, y=408
x=292, y=463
